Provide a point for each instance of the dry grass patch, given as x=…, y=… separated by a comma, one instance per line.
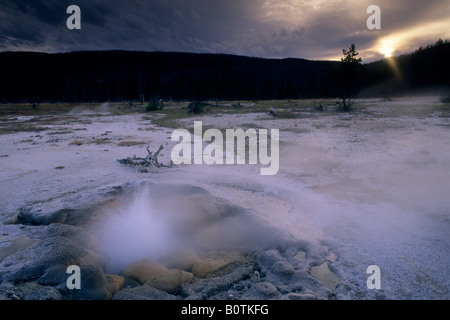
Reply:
x=76, y=142
x=130, y=143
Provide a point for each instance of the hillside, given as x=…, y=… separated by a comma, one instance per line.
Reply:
x=126, y=75
x=425, y=69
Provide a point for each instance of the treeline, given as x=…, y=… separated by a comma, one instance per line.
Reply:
x=124, y=75
x=428, y=68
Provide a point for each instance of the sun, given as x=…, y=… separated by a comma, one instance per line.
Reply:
x=386, y=47
x=387, y=52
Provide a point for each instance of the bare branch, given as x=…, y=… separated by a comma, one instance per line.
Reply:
x=150, y=160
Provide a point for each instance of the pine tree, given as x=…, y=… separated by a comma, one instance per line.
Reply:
x=349, y=72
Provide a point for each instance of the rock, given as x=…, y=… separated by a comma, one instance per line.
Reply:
x=44, y=293
x=324, y=275
x=181, y=259
x=302, y=280
x=130, y=283
x=290, y=252
x=316, y=254
x=54, y=275
x=300, y=257
x=62, y=230
x=113, y=284
x=204, y=288
x=301, y=296
x=171, y=280
x=7, y=290
x=33, y=262
x=283, y=268
x=268, y=258
x=239, y=286
x=11, y=220
x=262, y=291
x=143, y=270
x=206, y=268
x=93, y=285
x=142, y=293
x=36, y=218
x=255, y=277
x=15, y=244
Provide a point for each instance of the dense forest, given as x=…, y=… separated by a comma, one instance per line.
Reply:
x=99, y=76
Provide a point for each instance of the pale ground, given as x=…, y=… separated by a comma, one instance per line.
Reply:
x=373, y=185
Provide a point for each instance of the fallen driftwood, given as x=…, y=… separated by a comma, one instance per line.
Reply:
x=150, y=160
x=273, y=113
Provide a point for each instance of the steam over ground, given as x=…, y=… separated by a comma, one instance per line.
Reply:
x=154, y=221
x=372, y=185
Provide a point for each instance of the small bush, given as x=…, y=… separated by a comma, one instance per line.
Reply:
x=196, y=107
x=154, y=105
x=445, y=99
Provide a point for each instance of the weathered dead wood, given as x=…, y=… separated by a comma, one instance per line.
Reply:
x=150, y=160
x=273, y=113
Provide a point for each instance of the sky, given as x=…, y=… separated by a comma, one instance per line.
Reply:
x=309, y=29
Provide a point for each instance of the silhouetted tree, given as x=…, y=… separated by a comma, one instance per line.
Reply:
x=349, y=72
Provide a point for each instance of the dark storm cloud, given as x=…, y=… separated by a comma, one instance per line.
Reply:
x=45, y=11
x=41, y=25
x=267, y=28
x=53, y=12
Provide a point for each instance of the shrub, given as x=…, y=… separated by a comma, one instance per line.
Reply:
x=154, y=105
x=196, y=107
x=445, y=99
